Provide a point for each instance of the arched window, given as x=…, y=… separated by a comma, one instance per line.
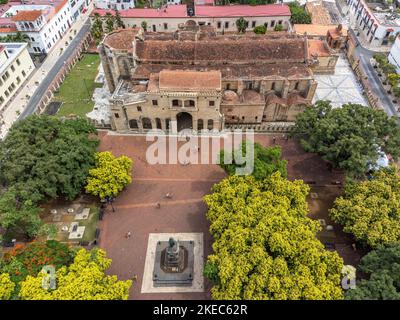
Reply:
x=146, y=122
x=158, y=123
x=133, y=124
x=200, y=124
x=210, y=124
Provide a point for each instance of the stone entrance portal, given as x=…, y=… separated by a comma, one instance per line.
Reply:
x=184, y=120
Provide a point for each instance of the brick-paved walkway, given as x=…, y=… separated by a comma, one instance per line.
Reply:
x=136, y=206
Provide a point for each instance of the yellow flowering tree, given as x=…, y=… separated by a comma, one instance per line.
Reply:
x=110, y=176
x=370, y=209
x=265, y=246
x=84, y=279
x=6, y=286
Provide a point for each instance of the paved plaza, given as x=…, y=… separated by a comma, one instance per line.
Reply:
x=136, y=207
x=341, y=87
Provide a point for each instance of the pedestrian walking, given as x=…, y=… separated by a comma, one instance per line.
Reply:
x=273, y=139
x=158, y=205
x=168, y=195
x=128, y=235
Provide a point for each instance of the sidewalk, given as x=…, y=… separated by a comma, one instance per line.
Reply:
x=16, y=107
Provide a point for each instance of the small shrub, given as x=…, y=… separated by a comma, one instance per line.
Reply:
x=260, y=29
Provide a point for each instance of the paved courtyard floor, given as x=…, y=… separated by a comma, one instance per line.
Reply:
x=136, y=211
x=341, y=87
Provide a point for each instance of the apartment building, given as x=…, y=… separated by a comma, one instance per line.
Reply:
x=376, y=23
x=15, y=67
x=114, y=4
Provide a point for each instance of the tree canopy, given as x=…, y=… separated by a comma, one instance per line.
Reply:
x=351, y=137
x=45, y=157
x=19, y=216
x=265, y=245
x=242, y=24
x=266, y=160
x=6, y=286
x=370, y=209
x=22, y=260
x=84, y=279
x=110, y=175
x=383, y=267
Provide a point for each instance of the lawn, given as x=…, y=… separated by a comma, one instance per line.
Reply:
x=77, y=89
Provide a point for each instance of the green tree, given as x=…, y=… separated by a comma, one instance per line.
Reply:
x=266, y=160
x=118, y=20
x=241, y=25
x=370, y=210
x=110, y=176
x=260, y=29
x=18, y=216
x=6, y=286
x=299, y=14
x=22, y=261
x=278, y=27
x=350, y=138
x=265, y=245
x=383, y=267
x=109, y=22
x=46, y=157
x=84, y=279
x=97, y=28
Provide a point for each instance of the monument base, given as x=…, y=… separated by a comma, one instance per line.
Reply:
x=171, y=278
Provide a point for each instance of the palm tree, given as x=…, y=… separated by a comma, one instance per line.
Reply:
x=109, y=22
x=118, y=20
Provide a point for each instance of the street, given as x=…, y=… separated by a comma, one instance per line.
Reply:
x=27, y=99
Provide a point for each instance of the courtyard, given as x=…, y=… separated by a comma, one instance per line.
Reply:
x=136, y=209
x=75, y=93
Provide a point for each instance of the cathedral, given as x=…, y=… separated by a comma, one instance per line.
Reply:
x=197, y=79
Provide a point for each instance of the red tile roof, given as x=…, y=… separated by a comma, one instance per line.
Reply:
x=10, y=29
x=179, y=11
x=189, y=80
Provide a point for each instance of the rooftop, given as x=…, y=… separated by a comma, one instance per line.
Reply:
x=315, y=29
x=232, y=71
x=30, y=15
x=13, y=50
x=319, y=14
x=121, y=39
x=189, y=80
x=318, y=48
x=223, y=50
x=180, y=11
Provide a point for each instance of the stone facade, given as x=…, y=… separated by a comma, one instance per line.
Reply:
x=199, y=80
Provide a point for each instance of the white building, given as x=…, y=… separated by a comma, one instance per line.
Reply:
x=15, y=67
x=43, y=24
x=394, y=55
x=78, y=7
x=114, y=4
x=375, y=22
